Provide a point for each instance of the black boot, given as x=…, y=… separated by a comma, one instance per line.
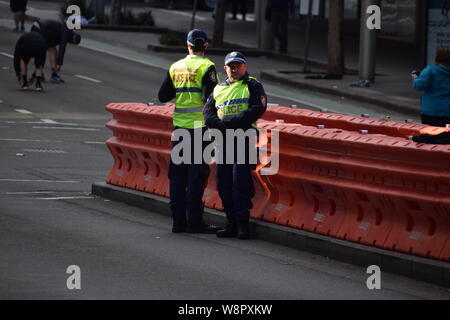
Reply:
x=243, y=230
x=230, y=230
x=179, y=225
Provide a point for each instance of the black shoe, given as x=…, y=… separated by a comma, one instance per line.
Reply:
x=230, y=231
x=179, y=225
x=25, y=86
x=55, y=78
x=39, y=87
x=243, y=230
x=201, y=228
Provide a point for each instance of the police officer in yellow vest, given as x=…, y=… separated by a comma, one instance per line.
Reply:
x=190, y=81
x=235, y=104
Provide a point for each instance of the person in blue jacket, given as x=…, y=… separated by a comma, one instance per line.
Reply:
x=434, y=81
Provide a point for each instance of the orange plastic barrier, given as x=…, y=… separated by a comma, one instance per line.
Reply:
x=373, y=189
x=349, y=123
x=378, y=189
x=140, y=146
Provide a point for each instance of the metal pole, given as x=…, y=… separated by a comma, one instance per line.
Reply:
x=194, y=12
x=367, y=47
x=307, y=36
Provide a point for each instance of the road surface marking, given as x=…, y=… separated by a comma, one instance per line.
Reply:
x=28, y=180
x=6, y=55
x=30, y=192
x=49, y=121
x=23, y=111
x=66, y=198
x=87, y=78
x=29, y=140
x=43, y=151
x=66, y=128
x=94, y=142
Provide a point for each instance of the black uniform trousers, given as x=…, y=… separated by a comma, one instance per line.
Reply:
x=187, y=183
x=235, y=183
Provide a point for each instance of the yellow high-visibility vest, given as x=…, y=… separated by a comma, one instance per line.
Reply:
x=187, y=75
x=231, y=99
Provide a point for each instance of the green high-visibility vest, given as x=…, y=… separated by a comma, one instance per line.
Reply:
x=187, y=75
x=231, y=99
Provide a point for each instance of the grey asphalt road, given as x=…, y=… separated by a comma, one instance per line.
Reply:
x=51, y=150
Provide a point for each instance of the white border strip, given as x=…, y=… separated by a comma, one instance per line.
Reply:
x=87, y=78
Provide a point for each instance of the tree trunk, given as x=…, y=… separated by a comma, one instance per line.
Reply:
x=219, y=23
x=336, y=63
x=116, y=8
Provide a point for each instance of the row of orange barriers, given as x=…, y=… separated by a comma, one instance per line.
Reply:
x=347, y=122
x=378, y=189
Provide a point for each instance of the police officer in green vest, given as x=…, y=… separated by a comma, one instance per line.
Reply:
x=190, y=81
x=235, y=104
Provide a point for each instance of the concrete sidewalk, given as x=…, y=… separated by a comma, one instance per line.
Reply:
x=392, y=88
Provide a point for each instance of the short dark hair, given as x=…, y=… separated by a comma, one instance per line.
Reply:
x=199, y=46
x=443, y=56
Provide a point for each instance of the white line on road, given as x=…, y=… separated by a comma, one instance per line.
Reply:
x=65, y=198
x=87, y=78
x=44, y=151
x=42, y=121
x=66, y=128
x=94, y=142
x=49, y=121
x=6, y=55
x=29, y=140
x=23, y=111
x=30, y=192
x=27, y=180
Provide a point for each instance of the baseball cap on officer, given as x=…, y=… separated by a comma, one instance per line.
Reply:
x=196, y=36
x=235, y=57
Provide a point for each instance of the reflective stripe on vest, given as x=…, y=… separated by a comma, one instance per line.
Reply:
x=187, y=75
x=189, y=110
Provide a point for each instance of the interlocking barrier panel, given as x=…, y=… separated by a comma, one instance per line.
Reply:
x=353, y=178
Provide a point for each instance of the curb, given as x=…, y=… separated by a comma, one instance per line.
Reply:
x=249, y=52
x=124, y=28
x=278, y=76
x=416, y=267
